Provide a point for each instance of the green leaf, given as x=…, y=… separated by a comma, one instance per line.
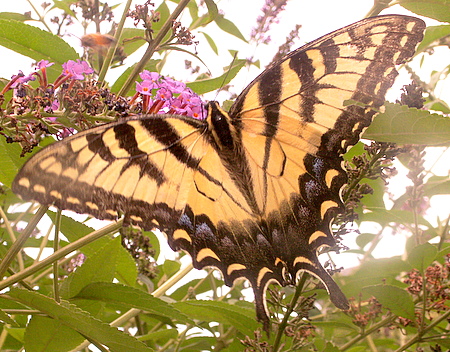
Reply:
x=403, y=125
x=385, y=217
x=229, y=27
x=376, y=198
x=212, y=311
x=130, y=40
x=81, y=321
x=11, y=161
x=213, y=11
x=132, y=298
x=209, y=85
x=421, y=256
x=373, y=272
x=65, y=6
x=364, y=238
x=49, y=335
x=100, y=267
x=164, y=13
x=329, y=347
x=433, y=34
x=160, y=337
x=200, y=285
x=437, y=185
x=36, y=44
x=397, y=300
x=14, y=16
x=436, y=9
x=7, y=319
x=211, y=42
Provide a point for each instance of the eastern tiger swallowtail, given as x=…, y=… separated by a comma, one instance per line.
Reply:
x=253, y=191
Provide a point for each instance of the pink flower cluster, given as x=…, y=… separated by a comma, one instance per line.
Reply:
x=164, y=95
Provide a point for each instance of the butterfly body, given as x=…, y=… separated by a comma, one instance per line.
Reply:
x=253, y=191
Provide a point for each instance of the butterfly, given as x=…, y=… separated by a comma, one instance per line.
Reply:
x=253, y=191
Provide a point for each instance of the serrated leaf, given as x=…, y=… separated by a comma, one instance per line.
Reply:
x=397, y=300
x=241, y=318
x=403, y=125
x=132, y=298
x=229, y=27
x=36, y=44
x=421, y=256
x=436, y=9
x=160, y=337
x=81, y=321
x=209, y=85
x=49, y=335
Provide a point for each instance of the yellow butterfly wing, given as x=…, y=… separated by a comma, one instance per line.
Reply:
x=251, y=192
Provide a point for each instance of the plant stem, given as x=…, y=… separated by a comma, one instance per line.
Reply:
x=289, y=310
x=19, y=243
x=378, y=6
x=112, y=50
x=60, y=254
x=10, y=232
x=55, y=263
x=367, y=332
x=152, y=47
x=418, y=337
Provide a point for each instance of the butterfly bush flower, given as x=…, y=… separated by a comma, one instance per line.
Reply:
x=77, y=69
x=42, y=75
x=73, y=70
x=164, y=95
x=75, y=95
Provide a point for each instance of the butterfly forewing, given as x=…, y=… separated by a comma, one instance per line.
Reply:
x=252, y=192
x=143, y=168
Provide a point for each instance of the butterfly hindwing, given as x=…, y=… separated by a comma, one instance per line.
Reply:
x=252, y=192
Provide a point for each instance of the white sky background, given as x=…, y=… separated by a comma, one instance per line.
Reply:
x=317, y=18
